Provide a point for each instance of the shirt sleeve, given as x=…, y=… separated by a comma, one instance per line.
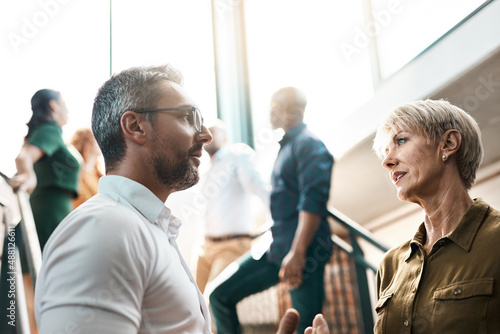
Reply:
x=314, y=169
x=47, y=137
x=250, y=178
x=94, y=276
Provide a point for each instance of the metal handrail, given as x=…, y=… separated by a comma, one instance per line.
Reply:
x=9, y=312
x=31, y=243
x=361, y=265
x=357, y=229
x=12, y=299
x=32, y=251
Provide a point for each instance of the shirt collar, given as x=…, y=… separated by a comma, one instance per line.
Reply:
x=292, y=133
x=463, y=235
x=466, y=231
x=416, y=242
x=135, y=195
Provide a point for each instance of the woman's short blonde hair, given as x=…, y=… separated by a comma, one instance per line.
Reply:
x=432, y=118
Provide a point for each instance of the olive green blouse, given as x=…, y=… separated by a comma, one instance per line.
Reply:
x=455, y=289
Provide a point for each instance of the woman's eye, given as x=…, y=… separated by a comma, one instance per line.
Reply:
x=401, y=141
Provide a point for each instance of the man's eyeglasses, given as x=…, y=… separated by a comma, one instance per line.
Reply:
x=195, y=118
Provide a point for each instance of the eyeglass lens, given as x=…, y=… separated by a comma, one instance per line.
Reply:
x=198, y=120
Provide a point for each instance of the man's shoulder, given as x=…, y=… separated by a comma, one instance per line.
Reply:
x=100, y=204
x=99, y=223
x=308, y=143
x=307, y=137
x=104, y=213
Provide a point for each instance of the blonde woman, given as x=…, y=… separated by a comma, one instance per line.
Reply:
x=445, y=279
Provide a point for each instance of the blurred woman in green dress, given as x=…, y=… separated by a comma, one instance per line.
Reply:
x=45, y=167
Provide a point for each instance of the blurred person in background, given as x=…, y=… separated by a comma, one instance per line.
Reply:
x=45, y=167
x=227, y=189
x=445, y=279
x=90, y=172
x=302, y=244
x=48, y=172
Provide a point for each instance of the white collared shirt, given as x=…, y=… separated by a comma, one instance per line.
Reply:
x=227, y=188
x=112, y=266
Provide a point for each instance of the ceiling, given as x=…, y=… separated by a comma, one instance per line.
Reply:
x=359, y=181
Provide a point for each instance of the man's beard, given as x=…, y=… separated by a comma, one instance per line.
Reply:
x=178, y=176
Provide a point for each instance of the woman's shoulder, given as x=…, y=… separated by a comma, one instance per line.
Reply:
x=48, y=126
x=46, y=132
x=488, y=220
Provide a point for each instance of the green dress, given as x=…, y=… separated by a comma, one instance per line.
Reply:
x=57, y=180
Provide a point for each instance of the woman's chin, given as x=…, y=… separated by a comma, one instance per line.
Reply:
x=402, y=196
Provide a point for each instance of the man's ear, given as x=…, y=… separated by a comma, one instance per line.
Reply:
x=451, y=141
x=132, y=126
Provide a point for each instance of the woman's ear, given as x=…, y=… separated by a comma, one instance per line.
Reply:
x=451, y=141
x=52, y=105
x=132, y=127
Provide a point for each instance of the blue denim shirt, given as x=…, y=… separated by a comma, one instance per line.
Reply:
x=300, y=182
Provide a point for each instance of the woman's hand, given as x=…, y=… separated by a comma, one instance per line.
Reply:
x=25, y=179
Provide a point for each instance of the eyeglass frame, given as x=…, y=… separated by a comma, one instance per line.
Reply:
x=195, y=111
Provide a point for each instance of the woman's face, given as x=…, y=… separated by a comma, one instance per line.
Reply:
x=415, y=165
x=59, y=111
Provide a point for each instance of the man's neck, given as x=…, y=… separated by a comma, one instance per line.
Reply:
x=143, y=178
x=292, y=125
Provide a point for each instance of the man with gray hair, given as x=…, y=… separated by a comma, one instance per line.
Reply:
x=112, y=265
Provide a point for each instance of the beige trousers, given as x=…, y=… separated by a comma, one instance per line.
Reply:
x=216, y=256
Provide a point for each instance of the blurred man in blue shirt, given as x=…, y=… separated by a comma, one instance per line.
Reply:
x=301, y=244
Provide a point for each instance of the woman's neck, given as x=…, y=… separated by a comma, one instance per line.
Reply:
x=444, y=214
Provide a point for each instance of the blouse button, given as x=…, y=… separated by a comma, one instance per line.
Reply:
x=457, y=291
x=406, y=323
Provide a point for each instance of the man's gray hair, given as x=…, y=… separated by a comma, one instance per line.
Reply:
x=137, y=88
